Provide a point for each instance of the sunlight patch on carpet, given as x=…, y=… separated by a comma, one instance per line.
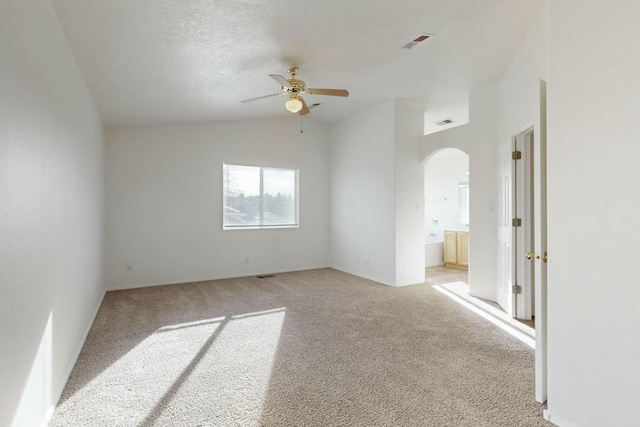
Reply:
x=219, y=367
x=501, y=320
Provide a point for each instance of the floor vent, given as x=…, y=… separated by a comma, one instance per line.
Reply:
x=416, y=41
x=264, y=276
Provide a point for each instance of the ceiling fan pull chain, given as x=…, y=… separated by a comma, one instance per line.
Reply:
x=301, y=118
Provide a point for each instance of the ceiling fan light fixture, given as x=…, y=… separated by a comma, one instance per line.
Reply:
x=293, y=104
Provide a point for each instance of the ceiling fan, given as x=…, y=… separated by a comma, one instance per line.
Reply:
x=294, y=88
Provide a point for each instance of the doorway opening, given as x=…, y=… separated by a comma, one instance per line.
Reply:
x=446, y=215
x=522, y=233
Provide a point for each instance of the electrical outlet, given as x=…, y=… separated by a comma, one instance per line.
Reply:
x=129, y=266
x=246, y=260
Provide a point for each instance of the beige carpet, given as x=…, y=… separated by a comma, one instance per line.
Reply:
x=312, y=348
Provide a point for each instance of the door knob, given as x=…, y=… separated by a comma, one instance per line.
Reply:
x=529, y=255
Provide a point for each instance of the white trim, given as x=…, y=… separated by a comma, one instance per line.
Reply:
x=408, y=284
x=71, y=365
x=555, y=420
x=208, y=279
x=540, y=231
x=364, y=276
x=257, y=227
x=487, y=296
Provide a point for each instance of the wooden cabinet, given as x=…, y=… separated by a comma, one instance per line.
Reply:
x=456, y=249
x=450, y=248
x=462, y=248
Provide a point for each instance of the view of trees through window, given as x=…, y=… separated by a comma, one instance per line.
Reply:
x=259, y=196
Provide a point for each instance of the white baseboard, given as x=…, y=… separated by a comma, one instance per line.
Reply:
x=364, y=276
x=410, y=284
x=206, y=279
x=58, y=394
x=376, y=279
x=556, y=420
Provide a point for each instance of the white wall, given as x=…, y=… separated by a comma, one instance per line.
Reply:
x=593, y=152
x=164, y=201
x=362, y=194
x=51, y=208
x=409, y=195
x=376, y=195
x=479, y=140
x=519, y=86
x=443, y=172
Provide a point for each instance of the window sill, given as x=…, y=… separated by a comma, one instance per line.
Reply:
x=260, y=227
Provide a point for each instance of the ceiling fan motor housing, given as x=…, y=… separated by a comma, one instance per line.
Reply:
x=295, y=86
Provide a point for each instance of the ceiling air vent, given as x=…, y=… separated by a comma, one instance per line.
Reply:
x=417, y=41
x=444, y=122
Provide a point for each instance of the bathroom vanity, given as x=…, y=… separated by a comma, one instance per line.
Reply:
x=456, y=248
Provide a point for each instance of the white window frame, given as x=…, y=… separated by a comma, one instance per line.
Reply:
x=296, y=223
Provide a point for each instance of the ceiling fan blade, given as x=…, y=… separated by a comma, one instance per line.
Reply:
x=330, y=92
x=305, y=110
x=283, y=82
x=262, y=97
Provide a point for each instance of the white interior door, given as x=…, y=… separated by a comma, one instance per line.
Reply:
x=540, y=242
x=505, y=296
x=524, y=239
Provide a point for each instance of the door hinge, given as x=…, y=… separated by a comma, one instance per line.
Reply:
x=517, y=289
x=516, y=155
x=516, y=222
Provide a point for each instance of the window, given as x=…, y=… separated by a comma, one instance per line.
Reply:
x=259, y=197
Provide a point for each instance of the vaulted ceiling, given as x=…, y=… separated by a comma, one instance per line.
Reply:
x=170, y=61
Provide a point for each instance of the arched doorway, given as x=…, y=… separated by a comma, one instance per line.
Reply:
x=446, y=216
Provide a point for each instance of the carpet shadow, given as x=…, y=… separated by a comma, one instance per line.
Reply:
x=127, y=318
x=163, y=403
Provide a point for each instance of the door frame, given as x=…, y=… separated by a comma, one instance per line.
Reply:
x=540, y=237
x=535, y=269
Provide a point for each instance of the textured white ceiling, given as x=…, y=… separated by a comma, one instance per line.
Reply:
x=177, y=61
